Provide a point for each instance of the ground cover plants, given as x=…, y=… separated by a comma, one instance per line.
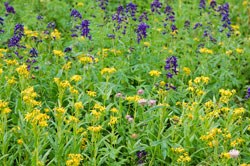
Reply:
x=118, y=82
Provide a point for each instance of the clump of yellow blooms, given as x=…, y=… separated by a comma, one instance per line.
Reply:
x=115, y=52
x=62, y=84
x=238, y=111
x=229, y=52
x=67, y=66
x=206, y=51
x=104, y=52
x=59, y=110
x=210, y=137
x=23, y=71
x=91, y=93
x=78, y=105
x=154, y=73
x=96, y=114
x=85, y=59
x=2, y=51
x=183, y=155
x=10, y=62
x=73, y=90
x=201, y=79
x=187, y=70
x=83, y=143
x=226, y=95
x=108, y=70
x=75, y=78
x=113, y=120
x=29, y=96
x=146, y=44
x=239, y=50
x=71, y=119
x=20, y=141
x=99, y=107
x=114, y=110
x=55, y=34
x=134, y=98
x=237, y=142
x=194, y=85
x=4, y=107
x=95, y=128
x=58, y=53
x=225, y=155
x=74, y=160
x=37, y=118
x=30, y=33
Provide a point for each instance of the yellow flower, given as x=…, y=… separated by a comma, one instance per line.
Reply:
x=11, y=80
x=146, y=44
x=85, y=59
x=78, y=105
x=67, y=66
x=229, y=52
x=114, y=110
x=23, y=71
x=20, y=141
x=113, y=120
x=74, y=160
x=154, y=73
x=11, y=62
x=59, y=110
x=108, y=70
x=239, y=50
x=95, y=128
x=29, y=96
x=186, y=70
x=225, y=155
x=133, y=98
x=55, y=34
x=91, y=93
x=37, y=118
x=76, y=78
x=80, y=4
x=58, y=53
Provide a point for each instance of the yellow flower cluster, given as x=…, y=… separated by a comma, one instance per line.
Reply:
x=59, y=110
x=206, y=51
x=95, y=128
x=23, y=71
x=178, y=150
x=237, y=142
x=183, y=155
x=113, y=120
x=29, y=96
x=4, y=107
x=201, y=79
x=71, y=119
x=226, y=95
x=239, y=50
x=74, y=160
x=58, y=53
x=134, y=98
x=78, y=105
x=154, y=73
x=67, y=66
x=96, y=114
x=99, y=107
x=2, y=51
x=63, y=84
x=55, y=34
x=91, y=93
x=210, y=137
x=187, y=70
x=225, y=155
x=115, y=52
x=30, y=33
x=10, y=62
x=108, y=70
x=76, y=78
x=229, y=52
x=86, y=59
x=238, y=111
x=37, y=118
x=114, y=110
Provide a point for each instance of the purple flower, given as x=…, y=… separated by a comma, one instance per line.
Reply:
x=248, y=93
x=171, y=68
x=152, y=102
x=170, y=14
x=9, y=8
x=39, y=17
x=131, y=9
x=74, y=13
x=51, y=25
x=119, y=17
x=33, y=52
x=143, y=102
x=103, y=4
x=111, y=36
x=197, y=25
x=18, y=33
x=202, y=4
x=85, y=29
x=143, y=17
x=141, y=156
x=156, y=6
x=213, y=4
x=142, y=31
x=1, y=20
x=67, y=49
x=187, y=24
x=226, y=22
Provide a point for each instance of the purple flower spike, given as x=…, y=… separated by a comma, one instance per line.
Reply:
x=142, y=31
x=9, y=9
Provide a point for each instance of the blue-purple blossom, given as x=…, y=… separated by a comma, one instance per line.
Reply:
x=187, y=24
x=141, y=31
x=103, y=4
x=18, y=33
x=67, y=49
x=224, y=12
x=143, y=16
x=213, y=4
x=74, y=13
x=51, y=25
x=248, y=93
x=33, y=52
x=202, y=4
x=119, y=16
x=39, y=17
x=197, y=25
x=131, y=9
x=9, y=9
x=85, y=29
x=171, y=65
x=170, y=14
x=156, y=6
x=1, y=20
x=141, y=156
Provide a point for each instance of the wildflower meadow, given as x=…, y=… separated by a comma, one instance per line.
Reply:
x=124, y=82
